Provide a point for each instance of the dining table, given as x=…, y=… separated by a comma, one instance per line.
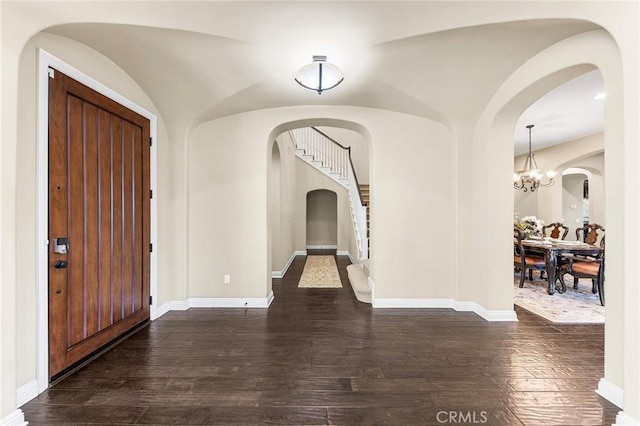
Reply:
x=552, y=249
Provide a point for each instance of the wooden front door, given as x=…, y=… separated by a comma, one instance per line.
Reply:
x=99, y=213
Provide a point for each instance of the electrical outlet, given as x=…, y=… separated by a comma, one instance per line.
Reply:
x=227, y=279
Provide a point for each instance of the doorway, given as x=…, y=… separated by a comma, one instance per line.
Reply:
x=322, y=219
x=575, y=199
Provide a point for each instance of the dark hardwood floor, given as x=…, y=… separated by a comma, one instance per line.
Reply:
x=319, y=357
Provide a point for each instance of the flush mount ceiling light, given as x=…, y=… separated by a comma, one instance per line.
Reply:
x=530, y=177
x=319, y=75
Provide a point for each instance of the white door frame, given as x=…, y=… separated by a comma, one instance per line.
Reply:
x=45, y=62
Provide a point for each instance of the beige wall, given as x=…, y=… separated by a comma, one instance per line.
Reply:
x=547, y=203
x=309, y=179
x=412, y=212
x=282, y=194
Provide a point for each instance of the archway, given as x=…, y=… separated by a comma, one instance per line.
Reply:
x=553, y=66
x=575, y=196
x=322, y=220
x=289, y=184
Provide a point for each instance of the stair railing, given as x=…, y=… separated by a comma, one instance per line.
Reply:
x=330, y=153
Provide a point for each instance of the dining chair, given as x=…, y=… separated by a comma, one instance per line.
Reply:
x=525, y=261
x=558, y=230
x=591, y=233
x=584, y=267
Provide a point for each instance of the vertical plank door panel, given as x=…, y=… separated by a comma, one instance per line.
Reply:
x=127, y=212
x=105, y=211
x=76, y=224
x=91, y=211
x=118, y=232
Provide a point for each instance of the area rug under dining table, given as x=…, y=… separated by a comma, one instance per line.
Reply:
x=574, y=306
x=320, y=271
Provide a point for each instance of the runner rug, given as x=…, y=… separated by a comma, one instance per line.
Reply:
x=320, y=272
x=574, y=306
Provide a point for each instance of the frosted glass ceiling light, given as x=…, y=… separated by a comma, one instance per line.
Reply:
x=530, y=177
x=319, y=75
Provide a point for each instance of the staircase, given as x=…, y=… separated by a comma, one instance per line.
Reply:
x=364, y=193
x=334, y=160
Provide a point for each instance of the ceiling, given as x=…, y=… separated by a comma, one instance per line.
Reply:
x=566, y=113
x=212, y=59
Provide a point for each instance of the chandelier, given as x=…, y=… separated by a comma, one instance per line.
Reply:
x=319, y=75
x=530, y=178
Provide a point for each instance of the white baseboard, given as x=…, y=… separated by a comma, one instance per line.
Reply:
x=230, y=302
x=446, y=303
x=300, y=252
x=492, y=316
x=412, y=303
x=27, y=392
x=216, y=302
x=174, y=305
x=280, y=274
x=14, y=419
x=322, y=247
x=624, y=419
x=612, y=393
x=346, y=253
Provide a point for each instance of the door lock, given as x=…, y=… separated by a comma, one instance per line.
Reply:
x=60, y=264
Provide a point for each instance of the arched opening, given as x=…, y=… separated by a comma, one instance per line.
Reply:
x=575, y=196
x=563, y=61
x=297, y=179
x=322, y=220
x=568, y=124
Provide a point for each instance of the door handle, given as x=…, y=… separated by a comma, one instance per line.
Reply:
x=61, y=245
x=60, y=264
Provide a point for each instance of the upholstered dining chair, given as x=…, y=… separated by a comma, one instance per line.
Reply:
x=584, y=267
x=557, y=230
x=591, y=233
x=525, y=261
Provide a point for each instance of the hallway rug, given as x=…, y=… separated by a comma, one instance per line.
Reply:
x=320, y=272
x=574, y=306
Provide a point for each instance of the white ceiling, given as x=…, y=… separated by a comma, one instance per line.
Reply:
x=212, y=59
x=566, y=113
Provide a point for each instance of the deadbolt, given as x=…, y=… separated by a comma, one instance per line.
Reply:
x=60, y=264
